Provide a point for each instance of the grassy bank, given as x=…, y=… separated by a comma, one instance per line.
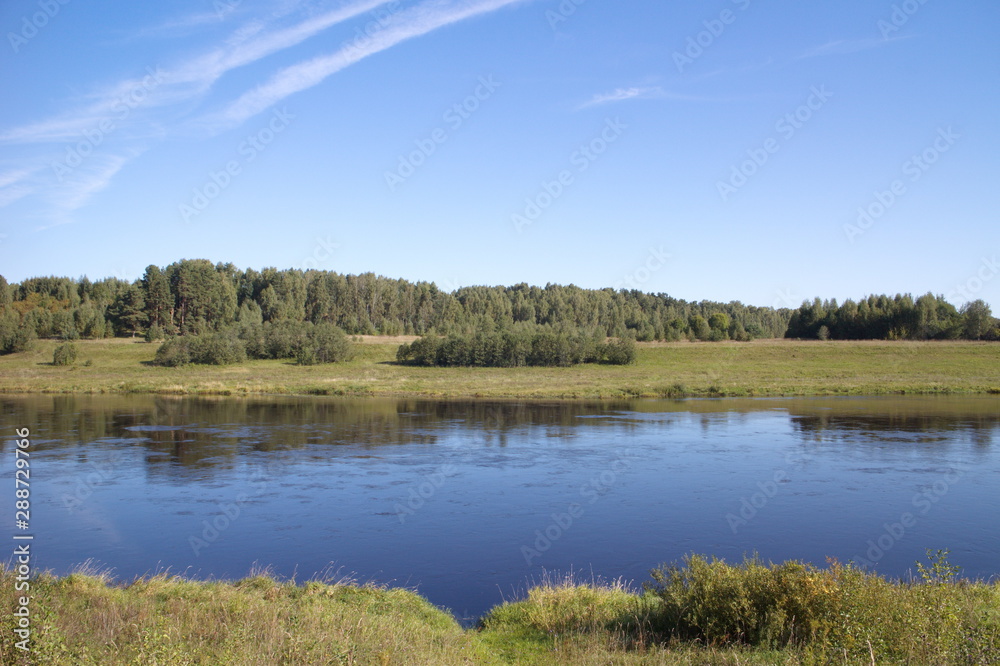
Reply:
x=760, y=368
x=702, y=612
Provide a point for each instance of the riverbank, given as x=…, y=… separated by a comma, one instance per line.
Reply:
x=682, y=369
x=701, y=612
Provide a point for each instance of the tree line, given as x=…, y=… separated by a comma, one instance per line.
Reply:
x=196, y=297
x=928, y=317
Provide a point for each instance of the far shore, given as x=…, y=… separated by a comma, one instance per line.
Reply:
x=764, y=368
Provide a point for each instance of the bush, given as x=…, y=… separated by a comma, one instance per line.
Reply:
x=15, y=334
x=754, y=603
x=549, y=348
x=222, y=348
x=403, y=353
x=154, y=333
x=841, y=614
x=282, y=339
x=65, y=354
x=619, y=352
x=422, y=351
x=173, y=353
x=254, y=339
x=308, y=344
x=519, y=346
x=324, y=343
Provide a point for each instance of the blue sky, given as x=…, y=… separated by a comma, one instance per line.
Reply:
x=725, y=150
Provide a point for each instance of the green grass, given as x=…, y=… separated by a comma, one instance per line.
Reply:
x=700, y=612
x=760, y=368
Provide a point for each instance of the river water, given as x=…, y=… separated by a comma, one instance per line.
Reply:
x=470, y=501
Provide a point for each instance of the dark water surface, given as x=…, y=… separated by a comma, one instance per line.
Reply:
x=468, y=501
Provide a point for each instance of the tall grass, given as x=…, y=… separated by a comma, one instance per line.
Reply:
x=699, y=611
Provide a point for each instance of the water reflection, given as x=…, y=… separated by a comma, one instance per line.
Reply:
x=129, y=480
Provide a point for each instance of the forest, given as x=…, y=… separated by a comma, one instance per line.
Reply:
x=194, y=297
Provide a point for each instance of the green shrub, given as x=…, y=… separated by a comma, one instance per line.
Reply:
x=154, y=333
x=282, y=339
x=332, y=344
x=619, y=352
x=841, y=614
x=403, y=353
x=221, y=348
x=254, y=339
x=515, y=347
x=16, y=335
x=422, y=351
x=174, y=352
x=324, y=343
x=65, y=354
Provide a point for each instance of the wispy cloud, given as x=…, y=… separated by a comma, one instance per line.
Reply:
x=77, y=190
x=846, y=46
x=647, y=92
x=11, y=177
x=414, y=22
x=181, y=26
x=169, y=96
x=9, y=195
x=144, y=107
x=186, y=81
x=13, y=186
x=622, y=94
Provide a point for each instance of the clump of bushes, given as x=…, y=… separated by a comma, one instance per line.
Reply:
x=15, y=335
x=65, y=354
x=833, y=613
x=793, y=611
x=305, y=342
x=525, y=346
x=323, y=343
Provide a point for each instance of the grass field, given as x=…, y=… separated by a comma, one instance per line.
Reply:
x=759, y=368
x=703, y=612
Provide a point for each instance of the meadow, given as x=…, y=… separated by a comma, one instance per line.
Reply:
x=677, y=369
x=699, y=611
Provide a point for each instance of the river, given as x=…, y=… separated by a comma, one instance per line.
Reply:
x=471, y=501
